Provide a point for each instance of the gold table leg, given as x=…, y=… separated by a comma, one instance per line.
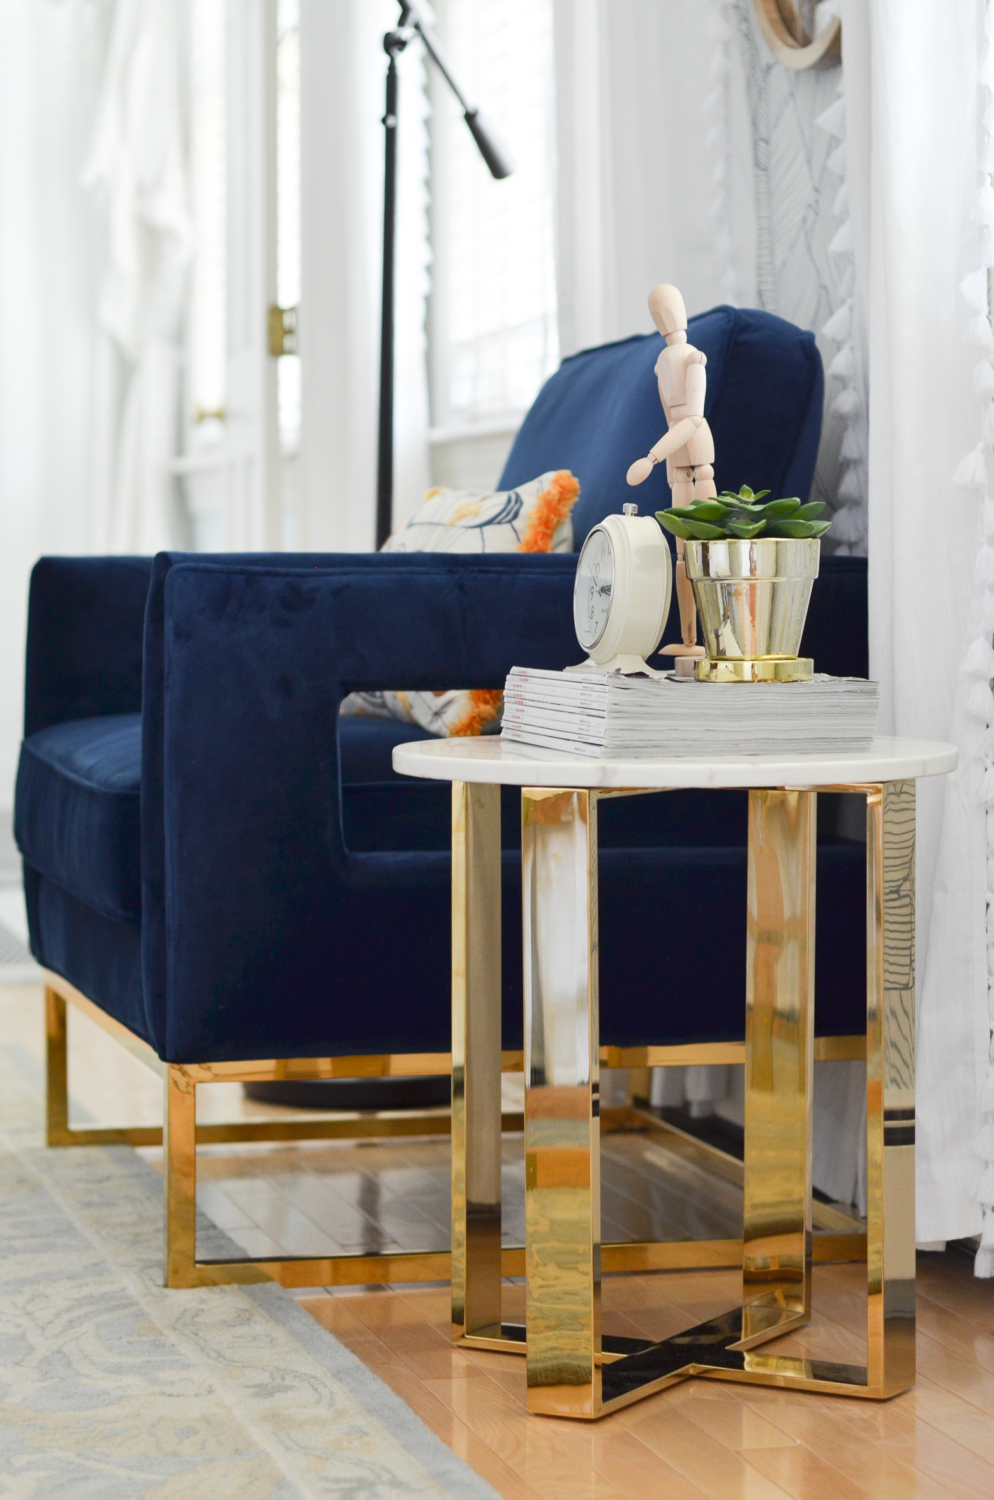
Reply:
x=562, y=1078
x=890, y=1087
x=476, y=1063
x=780, y=981
x=572, y=1371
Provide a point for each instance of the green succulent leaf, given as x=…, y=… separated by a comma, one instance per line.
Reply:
x=672, y=523
x=708, y=510
x=776, y=510
x=743, y=516
x=796, y=530
x=703, y=532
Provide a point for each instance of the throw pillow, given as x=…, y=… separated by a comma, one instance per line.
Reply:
x=535, y=517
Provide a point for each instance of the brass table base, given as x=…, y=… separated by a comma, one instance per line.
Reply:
x=574, y=1371
x=756, y=669
x=720, y=1349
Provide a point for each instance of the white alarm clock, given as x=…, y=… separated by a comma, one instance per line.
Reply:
x=621, y=597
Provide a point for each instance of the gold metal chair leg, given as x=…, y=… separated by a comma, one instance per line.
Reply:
x=179, y=1164
x=56, y=1070
x=476, y=1063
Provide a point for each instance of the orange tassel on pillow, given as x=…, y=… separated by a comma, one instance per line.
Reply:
x=484, y=707
x=549, y=511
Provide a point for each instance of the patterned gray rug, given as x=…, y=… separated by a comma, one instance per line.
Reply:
x=112, y=1388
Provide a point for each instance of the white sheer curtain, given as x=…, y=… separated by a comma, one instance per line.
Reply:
x=50, y=63
x=136, y=170
x=913, y=174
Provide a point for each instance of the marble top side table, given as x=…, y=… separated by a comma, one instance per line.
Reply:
x=572, y=1370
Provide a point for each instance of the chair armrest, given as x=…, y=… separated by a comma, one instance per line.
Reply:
x=84, y=649
x=246, y=663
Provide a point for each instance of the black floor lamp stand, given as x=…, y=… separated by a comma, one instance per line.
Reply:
x=410, y=27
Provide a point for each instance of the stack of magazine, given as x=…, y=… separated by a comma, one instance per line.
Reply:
x=608, y=716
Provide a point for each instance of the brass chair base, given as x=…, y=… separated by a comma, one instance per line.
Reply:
x=182, y=1135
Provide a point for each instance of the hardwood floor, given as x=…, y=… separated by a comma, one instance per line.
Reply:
x=699, y=1439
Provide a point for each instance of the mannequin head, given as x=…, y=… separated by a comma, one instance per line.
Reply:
x=668, y=312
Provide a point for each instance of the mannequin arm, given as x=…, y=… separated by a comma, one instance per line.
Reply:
x=674, y=439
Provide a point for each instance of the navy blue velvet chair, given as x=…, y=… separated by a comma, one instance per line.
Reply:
x=231, y=877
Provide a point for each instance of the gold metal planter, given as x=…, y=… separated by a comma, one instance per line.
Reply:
x=753, y=598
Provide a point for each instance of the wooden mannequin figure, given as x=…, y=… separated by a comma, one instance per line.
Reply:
x=687, y=447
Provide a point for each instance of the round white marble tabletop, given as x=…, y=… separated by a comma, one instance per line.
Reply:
x=491, y=759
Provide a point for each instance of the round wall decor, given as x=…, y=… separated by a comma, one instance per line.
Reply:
x=793, y=36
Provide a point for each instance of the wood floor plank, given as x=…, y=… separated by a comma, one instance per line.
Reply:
x=805, y=1476
x=875, y=1446
x=532, y=1446
x=967, y=1380
x=968, y=1340
x=737, y=1426
x=720, y=1472
x=949, y=1281
x=891, y=1442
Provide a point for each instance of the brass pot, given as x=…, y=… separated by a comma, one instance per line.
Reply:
x=753, y=598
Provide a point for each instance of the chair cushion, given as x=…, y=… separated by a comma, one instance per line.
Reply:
x=365, y=747
x=600, y=411
x=102, y=958
x=78, y=810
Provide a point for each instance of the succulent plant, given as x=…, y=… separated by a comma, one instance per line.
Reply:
x=742, y=517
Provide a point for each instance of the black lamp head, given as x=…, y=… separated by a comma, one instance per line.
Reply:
x=493, y=151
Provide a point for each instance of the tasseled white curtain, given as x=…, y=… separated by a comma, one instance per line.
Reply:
x=136, y=170
x=913, y=174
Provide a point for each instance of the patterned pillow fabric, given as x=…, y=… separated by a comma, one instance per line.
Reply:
x=535, y=517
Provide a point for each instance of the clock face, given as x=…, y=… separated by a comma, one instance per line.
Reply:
x=593, y=588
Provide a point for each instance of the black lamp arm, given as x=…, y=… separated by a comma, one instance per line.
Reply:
x=494, y=153
x=411, y=24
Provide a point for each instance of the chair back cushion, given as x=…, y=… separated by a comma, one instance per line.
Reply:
x=601, y=411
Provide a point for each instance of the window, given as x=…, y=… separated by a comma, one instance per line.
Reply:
x=492, y=323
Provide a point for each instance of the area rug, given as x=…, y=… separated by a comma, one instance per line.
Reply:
x=112, y=1388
